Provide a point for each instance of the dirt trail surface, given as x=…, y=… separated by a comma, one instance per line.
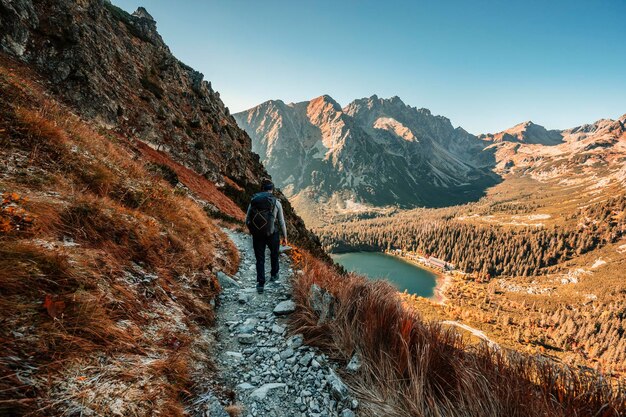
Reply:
x=271, y=372
x=474, y=331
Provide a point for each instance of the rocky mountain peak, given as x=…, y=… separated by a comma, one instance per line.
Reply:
x=325, y=101
x=142, y=13
x=526, y=132
x=375, y=151
x=322, y=109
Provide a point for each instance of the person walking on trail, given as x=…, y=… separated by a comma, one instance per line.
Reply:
x=263, y=213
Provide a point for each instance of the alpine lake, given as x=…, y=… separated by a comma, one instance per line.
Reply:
x=402, y=274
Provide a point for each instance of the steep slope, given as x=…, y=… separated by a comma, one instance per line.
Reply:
x=108, y=274
x=114, y=68
x=374, y=152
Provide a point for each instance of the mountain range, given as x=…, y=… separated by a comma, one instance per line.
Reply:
x=378, y=152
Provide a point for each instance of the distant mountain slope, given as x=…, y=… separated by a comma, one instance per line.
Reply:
x=378, y=152
x=114, y=68
x=596, y=150
x=526, y=132
x=373, y=152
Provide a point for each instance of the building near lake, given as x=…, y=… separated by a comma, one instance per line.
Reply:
x=441, y=264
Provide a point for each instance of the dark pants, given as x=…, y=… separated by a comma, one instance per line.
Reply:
x=259, y=243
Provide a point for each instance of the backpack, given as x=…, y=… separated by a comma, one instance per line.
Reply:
x=261, y=214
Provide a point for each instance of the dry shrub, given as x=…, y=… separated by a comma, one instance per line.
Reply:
x=30, y=276
x=234, y=410
x=175, y=368
x=418, y=368
x=195, y=182
x=28, y=269
x=100, y=223
x=40, y=135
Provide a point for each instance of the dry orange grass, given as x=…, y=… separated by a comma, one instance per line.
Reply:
x=197, y=183
x=109, y=266
x=418, y=368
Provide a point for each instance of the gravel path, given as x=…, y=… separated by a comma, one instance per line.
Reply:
x=272, y=374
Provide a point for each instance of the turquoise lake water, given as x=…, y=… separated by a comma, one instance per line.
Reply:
x=402, y=274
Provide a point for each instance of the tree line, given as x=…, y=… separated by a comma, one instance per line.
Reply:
x=488, y=250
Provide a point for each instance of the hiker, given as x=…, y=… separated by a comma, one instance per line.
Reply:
x=263, y=213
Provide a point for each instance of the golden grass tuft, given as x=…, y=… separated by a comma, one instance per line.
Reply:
x=234, y=410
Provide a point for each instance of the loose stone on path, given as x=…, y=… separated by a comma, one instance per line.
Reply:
x=272, y=373
x=285, y=307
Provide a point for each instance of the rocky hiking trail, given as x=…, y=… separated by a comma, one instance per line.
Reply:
x=272, y=373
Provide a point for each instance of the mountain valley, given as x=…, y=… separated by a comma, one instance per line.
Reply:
x=553, y=212
x=127, y=273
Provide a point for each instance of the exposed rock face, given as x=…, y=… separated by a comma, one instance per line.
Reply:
x=583, y=151
x=115, y=69
x=374, y=151
x=527, y=132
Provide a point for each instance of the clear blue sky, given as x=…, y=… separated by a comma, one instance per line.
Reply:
x=486, y=65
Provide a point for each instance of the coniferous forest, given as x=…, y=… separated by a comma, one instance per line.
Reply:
x=489, y=250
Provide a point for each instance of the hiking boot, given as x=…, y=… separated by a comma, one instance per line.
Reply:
x=259, y=289
x=274, y=278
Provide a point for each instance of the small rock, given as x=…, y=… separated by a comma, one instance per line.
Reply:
x=261, y=393
x=245, y=338
x=347, y=413
x=322, y=302
x=226, y=281
x=314, y=406
x=338, y=389
x=295, y=341
x=237, y=355
x=278, y=329
x=354, y=364
x=247, y=326
x=243, y=298
x=245, y=386
x=306, y=359
x=213, y=408
x=287, y=353
x=285, y=307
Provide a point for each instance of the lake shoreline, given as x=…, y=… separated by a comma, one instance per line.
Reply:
x=441, y=281
x=444, y=280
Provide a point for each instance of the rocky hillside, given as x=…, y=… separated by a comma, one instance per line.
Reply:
x=373, y=152
x=593, y=152
x=108, y=273
x=114, y=68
